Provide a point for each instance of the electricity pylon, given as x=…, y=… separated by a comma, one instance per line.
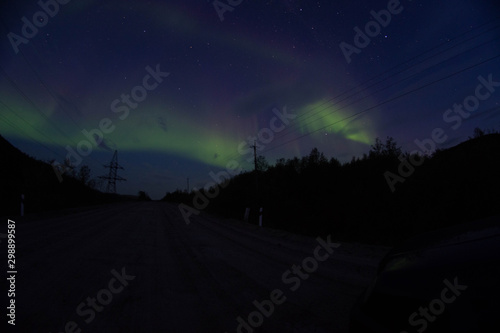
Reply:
x=112, y=177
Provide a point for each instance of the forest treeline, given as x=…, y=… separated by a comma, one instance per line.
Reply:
x=312, y=195
x=317, y=195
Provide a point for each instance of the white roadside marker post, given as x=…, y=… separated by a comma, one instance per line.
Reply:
x=247, y=213
x=260, y=217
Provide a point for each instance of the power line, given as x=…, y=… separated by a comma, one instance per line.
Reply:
x=27, y=98
x=293, y=128
x=409, y=61
x=400, y=72
x=379, y=90
x=49, y=91
x=11, y=124
x=288, y=129
x=385, y=102
x=24, y=120
x=14, y=84
x=38, y=76
x=35, y=128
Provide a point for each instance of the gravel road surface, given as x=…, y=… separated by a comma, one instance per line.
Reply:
x=138, y=267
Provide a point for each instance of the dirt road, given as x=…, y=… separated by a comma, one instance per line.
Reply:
x=140, y=268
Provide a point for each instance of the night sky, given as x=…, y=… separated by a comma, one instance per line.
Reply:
x=179, y=91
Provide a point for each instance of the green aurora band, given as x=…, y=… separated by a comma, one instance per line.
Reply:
x=322, y=117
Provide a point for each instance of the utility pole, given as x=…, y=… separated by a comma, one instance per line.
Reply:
x=255, y=155
x=187, y=184
x=256, y=179
x=112, y=177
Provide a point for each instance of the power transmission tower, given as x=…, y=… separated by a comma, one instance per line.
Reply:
x=112, y=177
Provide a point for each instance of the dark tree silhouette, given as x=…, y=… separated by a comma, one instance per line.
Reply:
x=143, y=196
x=262, y=164
x=389, y=149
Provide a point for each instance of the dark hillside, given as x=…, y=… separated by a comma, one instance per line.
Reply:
x=314, y=195
x=22, y=174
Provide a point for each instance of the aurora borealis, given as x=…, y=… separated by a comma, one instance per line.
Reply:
x=226, y=78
